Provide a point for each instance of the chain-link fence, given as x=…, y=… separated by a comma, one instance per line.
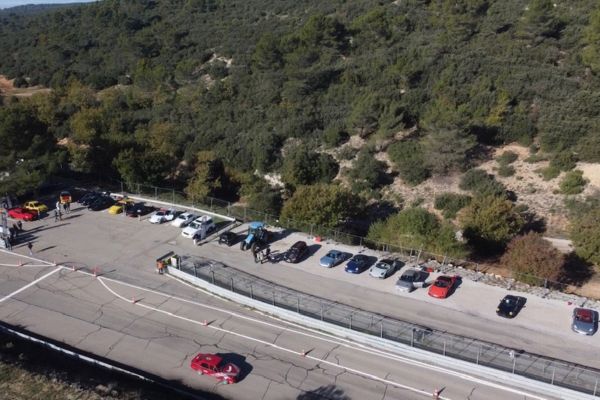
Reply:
x=246, y=214
x=545, y=369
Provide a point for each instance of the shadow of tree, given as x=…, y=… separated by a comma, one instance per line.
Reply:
x=576, y=271
x=329, y=392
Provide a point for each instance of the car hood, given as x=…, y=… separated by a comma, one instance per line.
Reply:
x=326, y=260
x=379, y=272
x=438, y=291
x=189, y=230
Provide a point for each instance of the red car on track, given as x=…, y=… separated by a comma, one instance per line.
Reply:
x=442, y=286
x=213, y=365
x=21, y=213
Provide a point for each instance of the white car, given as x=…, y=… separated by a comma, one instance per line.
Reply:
x=163, y=216
x=183, y=219
x=201, y=225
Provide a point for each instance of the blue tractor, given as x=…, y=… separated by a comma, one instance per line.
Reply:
x=258, y=236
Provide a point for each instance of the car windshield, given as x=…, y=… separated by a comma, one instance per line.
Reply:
x=332, y=254
x=509, y=301
x=383, y=266
x=408, y=277
x=195, y=225
x=440, y=282
x=584, y=316
x=160, y=213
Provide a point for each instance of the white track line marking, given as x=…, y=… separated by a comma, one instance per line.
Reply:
x=334, y=339
x=30, y=284
x=269, y=344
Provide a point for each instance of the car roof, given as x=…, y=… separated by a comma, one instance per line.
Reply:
x=299, y=244
x=210, y=359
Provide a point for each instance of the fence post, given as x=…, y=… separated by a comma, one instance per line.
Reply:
x=444, y=351
x=155, y=192
x=211, y=201
x=122, y=187
x=244, y=214
x=514, y=364
x=381, y=330
x=173, y=196
x=298, y=305
x=412, y=337
x=273, y=298
x=321, y=311
x=595, y=387
x=213, y=276
x=553, y=372
x=350, y=321
x=360, y=243
x=545, y=283
x=251, y=293
x=138, y=191
x=478, y=354
x=232, y=284
x=196, y=273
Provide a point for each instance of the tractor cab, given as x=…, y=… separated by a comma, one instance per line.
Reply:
x=257, y=236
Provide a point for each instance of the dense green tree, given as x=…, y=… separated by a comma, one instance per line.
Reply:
x=409, y=158
x=367, y=172
x=591, y=52
x=302, y=166
x=489, y=222
x=448, y=150
x=208, y=177
x=585, y=233
x=327, y=206
x=481, y=183
x=451, y=203
x=418, y=229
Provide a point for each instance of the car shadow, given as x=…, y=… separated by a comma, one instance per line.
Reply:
x=240, y=361
x=310, y=251
x=456, y=285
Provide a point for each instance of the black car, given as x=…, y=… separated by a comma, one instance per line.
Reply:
x=137, y=209
x=101, y=203
x=296, y=252
x=89, y=198
x=229, y=238
x=510, y=306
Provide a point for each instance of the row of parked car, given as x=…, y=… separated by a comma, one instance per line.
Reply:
x=584, y=321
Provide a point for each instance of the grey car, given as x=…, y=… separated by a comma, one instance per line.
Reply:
x=585, y=321
x=384, y=268
x=411, y=279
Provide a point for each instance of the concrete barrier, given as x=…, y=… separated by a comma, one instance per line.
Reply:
x=492, y=375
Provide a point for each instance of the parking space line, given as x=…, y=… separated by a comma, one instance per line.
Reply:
x=31, y=284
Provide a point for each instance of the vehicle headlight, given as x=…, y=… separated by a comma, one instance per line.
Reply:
x=510, y=313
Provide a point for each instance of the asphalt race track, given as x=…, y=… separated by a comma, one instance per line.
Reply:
x=104, y=297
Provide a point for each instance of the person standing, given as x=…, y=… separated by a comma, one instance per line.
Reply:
x=30, y=247
x=56, y=215
x=20, y=225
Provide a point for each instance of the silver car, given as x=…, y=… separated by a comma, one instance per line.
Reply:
x=384, y=268
x=585, y=321
x=411, y=279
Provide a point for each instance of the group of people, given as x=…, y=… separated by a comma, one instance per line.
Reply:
x=13, y=233
x=59, y=209
x=261, y=255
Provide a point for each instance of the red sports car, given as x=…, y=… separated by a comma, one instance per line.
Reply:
x=21, y=213
x=442, y=287
x=213, y=365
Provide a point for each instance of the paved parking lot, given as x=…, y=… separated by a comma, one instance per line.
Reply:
x=132, y=315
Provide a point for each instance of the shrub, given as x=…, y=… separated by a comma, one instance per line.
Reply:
x=347, y=153
x=548, y=173
x=564, y=161
x=489, y=222
x=481, y=183
x=416, y=227
x=535, y=158
x=531, y=259
x=334, y=136
x=573, y=182
x=367, y=172
x=585, y=233
x=506, y=170
x=409, y=159
x=508, y=157
x=302, y=166
x=451, y=203
x=324, y=205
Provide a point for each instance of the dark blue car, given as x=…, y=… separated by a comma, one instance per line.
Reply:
x=357, y=264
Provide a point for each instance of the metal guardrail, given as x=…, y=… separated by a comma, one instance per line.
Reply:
x=533, y=366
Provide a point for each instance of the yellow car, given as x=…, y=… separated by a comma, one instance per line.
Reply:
x=118, y=207
x=35, y=206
